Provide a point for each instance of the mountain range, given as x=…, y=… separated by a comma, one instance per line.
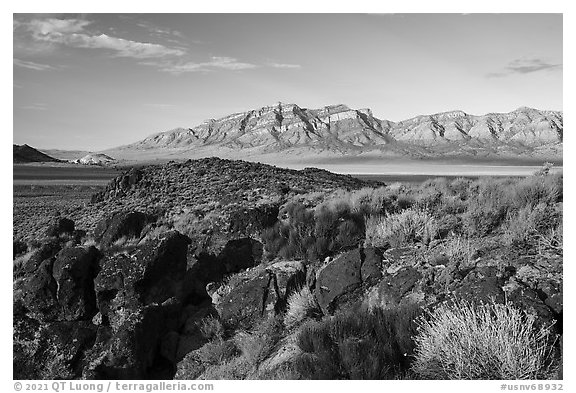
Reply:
x=286, y=132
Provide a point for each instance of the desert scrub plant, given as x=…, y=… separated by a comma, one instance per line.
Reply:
x=211, y=328
x=462, y=340
x=217, y=351
x=357, y=344
x=532, y=225
x=534, y=190
x=397, y=230
x=313, y=234
x=258, y=344
x=459, y=250
x=301, y=305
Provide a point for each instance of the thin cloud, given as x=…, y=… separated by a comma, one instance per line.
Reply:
x=217, y=62
x=160, y=106
x=283, y=65
x=72, y=33
x=526, y=66
x=80, y=33
x=37, y=106
x=32, y=65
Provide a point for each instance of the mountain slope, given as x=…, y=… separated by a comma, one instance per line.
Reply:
x=25, y=153
x=287, y=130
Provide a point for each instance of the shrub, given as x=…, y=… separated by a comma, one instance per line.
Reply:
x=314, y=234
x=490, y=341
x=217, y=351
x=211, y=328
x=357, y=344
x=534, y=190
x=409, y=226
x=532, y=224
x=459, y=251
x=301, y=305
x=256, y=346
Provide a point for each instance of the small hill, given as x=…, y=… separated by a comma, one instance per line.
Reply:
x=25, y=153
x=95, y=159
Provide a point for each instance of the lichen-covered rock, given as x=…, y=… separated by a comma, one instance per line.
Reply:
x=60, y=226
x=246, y=303
x=371, y=270
x=39, y=293
x=124, y=224
x=338, y=277
x=153, y=273
x=394, y=289
x=74, y=271
x=53, y=350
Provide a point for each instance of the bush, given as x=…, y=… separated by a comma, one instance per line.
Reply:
x=211, y=328
x=256, y=346
x=310, y=234
x=357, y=344
x=534, y=190
x=217, y=352
x=491, y=341
x=533, y=224
x=397, y=230
x=459, y=251
x=301, y=305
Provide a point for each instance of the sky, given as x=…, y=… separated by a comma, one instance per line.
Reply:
x=96, y=81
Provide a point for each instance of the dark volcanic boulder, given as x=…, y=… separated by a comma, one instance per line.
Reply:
x=74, y=271
x=371, y=270
x=140, y=297
x=338, y=277
x=60, y=227
x=45, y=251
x=241, y=254
x=54, y=350
x=394, y=288
x=258, y=293
x=125, y=224
x=481, y=285
x=246, y=302
x=253, y=220
x=153, y=273
x=131, y=349
x=19, y=247
x=39, y=293
x=552, y=291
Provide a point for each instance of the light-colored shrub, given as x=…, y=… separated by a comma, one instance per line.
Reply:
x=489, y=341
x=532, y=225
x=211, y=328
x=409, y=226
x=459, y=250
x=301, y=305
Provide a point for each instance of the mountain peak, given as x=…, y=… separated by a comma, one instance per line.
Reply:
x=339, y=130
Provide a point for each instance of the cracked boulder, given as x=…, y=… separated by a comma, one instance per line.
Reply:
x=257, y=294
x=346, y=273
x=124, y=224
x=74, y=271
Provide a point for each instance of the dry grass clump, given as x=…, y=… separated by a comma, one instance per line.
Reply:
x=537, y=227
x=397, y=230
x=211, y=328
x=459, y=250
x=357, y=344
x=301, y=305
x=489, y=341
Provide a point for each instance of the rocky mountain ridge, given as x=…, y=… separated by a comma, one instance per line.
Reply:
x=342, y=130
